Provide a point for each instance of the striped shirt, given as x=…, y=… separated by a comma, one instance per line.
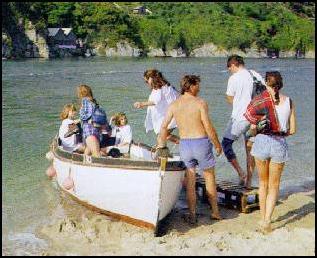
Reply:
x=85, y=113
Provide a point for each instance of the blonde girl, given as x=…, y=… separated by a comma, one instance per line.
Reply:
x=122, y=131
x=67, y=116
x=91, y=134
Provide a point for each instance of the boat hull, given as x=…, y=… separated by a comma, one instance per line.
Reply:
x=136, y=195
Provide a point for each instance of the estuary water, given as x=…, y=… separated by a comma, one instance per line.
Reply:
x=35, y=90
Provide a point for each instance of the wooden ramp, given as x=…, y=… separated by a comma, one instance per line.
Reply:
x=231, y=195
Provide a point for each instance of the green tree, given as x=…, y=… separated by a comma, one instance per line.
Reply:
x=155, y=33
x=61, y=14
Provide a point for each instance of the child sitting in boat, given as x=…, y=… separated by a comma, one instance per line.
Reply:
x=70, y=143
x=121, y=135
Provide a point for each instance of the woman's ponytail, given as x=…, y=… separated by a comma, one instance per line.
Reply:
x=275, y=81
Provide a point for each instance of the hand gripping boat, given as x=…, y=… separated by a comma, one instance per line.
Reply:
x=140, y=190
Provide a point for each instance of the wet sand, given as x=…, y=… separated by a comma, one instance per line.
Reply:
x=89, y=233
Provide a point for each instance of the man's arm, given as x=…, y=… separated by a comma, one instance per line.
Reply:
x=209, y=128
x=231, y=90
x=161, y=141
x=229, y=99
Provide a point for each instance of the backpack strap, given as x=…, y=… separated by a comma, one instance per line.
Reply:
x=290, y=103
x=252, y=75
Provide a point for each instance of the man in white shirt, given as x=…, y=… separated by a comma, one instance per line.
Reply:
x=239, y=94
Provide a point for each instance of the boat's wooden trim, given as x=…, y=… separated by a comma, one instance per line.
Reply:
x=122, y=163
x=136, y=222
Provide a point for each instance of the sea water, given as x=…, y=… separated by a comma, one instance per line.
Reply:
x=34, y=92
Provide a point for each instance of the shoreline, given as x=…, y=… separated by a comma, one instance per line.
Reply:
x=148, y=57
x=94, y=234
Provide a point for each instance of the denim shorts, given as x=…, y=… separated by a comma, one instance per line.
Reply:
x=235, y=129
x=268, y=146
x=197, y=152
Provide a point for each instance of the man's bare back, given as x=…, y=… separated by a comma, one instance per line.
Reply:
x=187, y=111
x=195, y=127
x=192, y=119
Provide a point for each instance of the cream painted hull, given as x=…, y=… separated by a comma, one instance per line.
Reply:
x=141, y=196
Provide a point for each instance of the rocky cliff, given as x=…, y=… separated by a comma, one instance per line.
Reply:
x=34, y=45
x=124, y=49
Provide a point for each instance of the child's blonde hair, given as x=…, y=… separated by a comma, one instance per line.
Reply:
x=117, y=118
x=68, y=107
x=84, y=91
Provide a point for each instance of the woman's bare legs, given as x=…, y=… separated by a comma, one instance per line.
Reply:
x=273, y=191
x=269, y=184
x=92, y=146
x=263, y=170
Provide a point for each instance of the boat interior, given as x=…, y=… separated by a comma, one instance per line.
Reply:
x=140, y=156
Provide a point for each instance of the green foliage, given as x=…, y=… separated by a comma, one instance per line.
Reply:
x=282, y=26
x=61, y=14
x=155, y=33
x=190, y=37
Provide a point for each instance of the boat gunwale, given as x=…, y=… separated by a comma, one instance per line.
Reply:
x=107, y=162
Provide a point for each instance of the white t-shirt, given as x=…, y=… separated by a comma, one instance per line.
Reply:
x=283, y=111
x=170, y=93
x=69, y=143
x=240, y=86
x=123, y=134
x=155, y=114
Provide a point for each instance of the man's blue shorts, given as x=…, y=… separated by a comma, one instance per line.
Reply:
x=197, y=151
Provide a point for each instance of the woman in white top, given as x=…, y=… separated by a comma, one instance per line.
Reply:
x=162, y=95
x=67, y=116
x=271, y=151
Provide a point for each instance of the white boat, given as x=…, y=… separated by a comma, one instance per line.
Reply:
x=139, y=190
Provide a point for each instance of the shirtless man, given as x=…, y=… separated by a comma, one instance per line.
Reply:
x=196, y=134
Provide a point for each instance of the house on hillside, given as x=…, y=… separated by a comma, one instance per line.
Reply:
x=70, y=37
x=62, y=37
x=56, y=36
x=141, y=10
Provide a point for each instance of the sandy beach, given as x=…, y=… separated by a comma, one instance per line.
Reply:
x=89, y=233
